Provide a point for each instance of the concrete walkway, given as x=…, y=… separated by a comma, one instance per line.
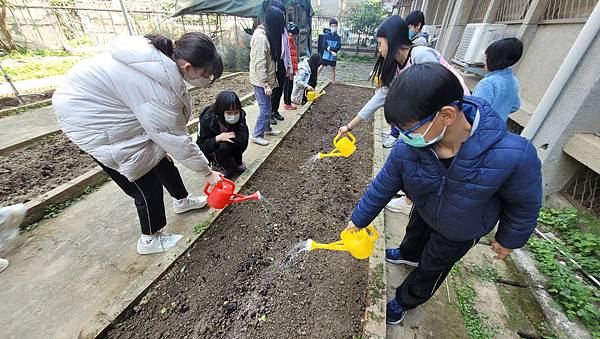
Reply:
x=31, y=86
x=71, y=267
x=27, y=125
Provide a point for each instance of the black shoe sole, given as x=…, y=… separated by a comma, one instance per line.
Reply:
x=278, y=117
x=273, y=122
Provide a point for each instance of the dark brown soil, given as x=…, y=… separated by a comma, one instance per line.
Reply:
x=205, y=96
x=27, y=98
x=37, y=169
x=235, y=281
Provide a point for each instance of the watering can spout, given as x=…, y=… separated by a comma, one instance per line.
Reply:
x=239, y=198
x=312, y=95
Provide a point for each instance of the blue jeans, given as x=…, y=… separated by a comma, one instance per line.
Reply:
x=263, y=123
x=395, y=132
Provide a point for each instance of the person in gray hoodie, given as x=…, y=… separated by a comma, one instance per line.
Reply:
x=415, y=21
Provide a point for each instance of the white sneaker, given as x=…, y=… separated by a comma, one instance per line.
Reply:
x=259, y=141
x=3, y=264
x=189, y=203
x=160, y=242
x=399, y=205
x=390, y=141
x=273, y=132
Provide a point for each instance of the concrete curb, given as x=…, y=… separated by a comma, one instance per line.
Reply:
x=119, y=306
x=374, y=319
x=28, y=142
x=14, y=110
x=36, y=208
x=555, y=317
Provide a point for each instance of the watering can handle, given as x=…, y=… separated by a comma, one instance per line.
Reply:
x=374, y=235
x=207, y=186
x=351, y=137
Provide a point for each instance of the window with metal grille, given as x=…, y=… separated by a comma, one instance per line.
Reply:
x=584, y=189
x=478, y=11
x=569, y=9
x=512, y=10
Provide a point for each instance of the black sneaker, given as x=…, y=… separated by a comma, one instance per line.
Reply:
x=393, y=255
x=278, y=116
x=273, y=121
x=394, y=313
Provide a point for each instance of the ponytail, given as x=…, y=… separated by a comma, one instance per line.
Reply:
x=161, y=43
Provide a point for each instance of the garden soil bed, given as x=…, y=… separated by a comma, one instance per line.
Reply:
x=50, y=162
x=11, y=102
x=205, y=96
x=237, y=279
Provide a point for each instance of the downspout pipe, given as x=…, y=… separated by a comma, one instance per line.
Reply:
x=566, y=69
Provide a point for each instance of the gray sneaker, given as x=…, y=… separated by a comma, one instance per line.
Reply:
x=273, y=132
x=259, y=141
x=390, y=141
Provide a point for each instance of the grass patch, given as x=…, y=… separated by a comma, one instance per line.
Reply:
x=36, y=69
x=201, y=227
x=377, y=285
x=349, y=57
x=578, y=239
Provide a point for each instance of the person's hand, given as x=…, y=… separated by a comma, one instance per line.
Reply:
x=501, y=251
x=168, y=158
x=226, y=136
x=351, y=227
x=334, y=53
x=343, y=130
x=291, y=76
x=213, y=178
x=268, y=91
x=310, y=88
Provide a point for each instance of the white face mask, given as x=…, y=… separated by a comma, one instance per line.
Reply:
x=200, y=82
x=232, y=119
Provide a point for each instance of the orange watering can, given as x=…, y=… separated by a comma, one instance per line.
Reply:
x=312, y=95
x=222, y=194
x=360, y=244
x=344, y=146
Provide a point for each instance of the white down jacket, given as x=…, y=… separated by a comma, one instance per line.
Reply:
x=127, y=107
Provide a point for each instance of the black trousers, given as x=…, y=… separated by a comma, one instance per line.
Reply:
x=228, y=155
x=287, y=91
x=436, y=255
x=278, y=91
x=147, y=192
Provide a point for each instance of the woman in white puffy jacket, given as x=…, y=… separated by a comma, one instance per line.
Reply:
x=128, y=108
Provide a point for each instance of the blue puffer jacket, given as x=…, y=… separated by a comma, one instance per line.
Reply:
x=496, y=175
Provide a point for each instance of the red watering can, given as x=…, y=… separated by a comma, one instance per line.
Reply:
x=222, y=194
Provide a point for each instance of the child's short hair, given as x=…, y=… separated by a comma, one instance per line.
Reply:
x=420, y=91
x=333, y=21
x=503, y=53
x=414, y=18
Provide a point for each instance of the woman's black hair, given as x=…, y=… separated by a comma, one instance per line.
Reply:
x=226, y=101
x=274, y=25
x=195, y=47
x=420, y=91
x=414, y=18
x=503, y=53
x=315, y=61
x=395, y=30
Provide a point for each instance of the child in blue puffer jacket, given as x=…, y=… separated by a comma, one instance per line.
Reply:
x=464, y=172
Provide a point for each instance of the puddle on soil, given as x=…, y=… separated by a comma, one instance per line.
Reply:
x=299, y=248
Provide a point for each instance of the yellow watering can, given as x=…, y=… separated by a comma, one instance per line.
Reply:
x=344, y=146
x=376, y=81
x=312, y=95
x=360, y=243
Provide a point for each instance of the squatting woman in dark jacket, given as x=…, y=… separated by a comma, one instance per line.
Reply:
x=223, y=134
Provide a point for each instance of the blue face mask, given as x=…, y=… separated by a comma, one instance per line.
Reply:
x=334, y=30
x=418, y=140
x=411, y=34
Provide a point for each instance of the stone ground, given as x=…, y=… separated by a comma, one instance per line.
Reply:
x=72, y=266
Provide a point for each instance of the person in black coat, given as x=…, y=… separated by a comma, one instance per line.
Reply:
x=223, y=134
